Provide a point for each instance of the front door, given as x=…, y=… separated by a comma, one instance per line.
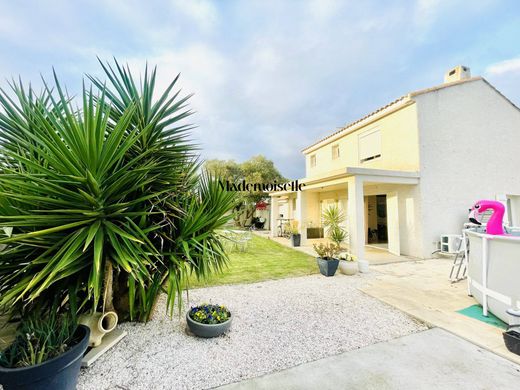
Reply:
x=392, y=213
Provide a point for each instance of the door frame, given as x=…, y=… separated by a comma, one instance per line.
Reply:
x=392, y=223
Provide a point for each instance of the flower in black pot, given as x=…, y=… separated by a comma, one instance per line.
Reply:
x=46, y=354
x=327, y=261
x=208, y=320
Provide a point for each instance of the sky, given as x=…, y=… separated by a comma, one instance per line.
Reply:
x=268, y=77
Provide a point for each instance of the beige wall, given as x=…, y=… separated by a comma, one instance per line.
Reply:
x=408, y=204
x=399, y=146
x=409, y=215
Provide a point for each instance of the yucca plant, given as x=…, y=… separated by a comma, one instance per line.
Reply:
x=332, y=218
x=103, y=204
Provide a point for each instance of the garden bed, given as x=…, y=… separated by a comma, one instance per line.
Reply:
x=277, y=324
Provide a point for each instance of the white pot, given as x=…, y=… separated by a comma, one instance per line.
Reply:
x=363, y=266
x=100, y=324
x=348, y=267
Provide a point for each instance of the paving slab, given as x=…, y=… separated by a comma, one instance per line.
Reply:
x=432, y=359
x=422, y=290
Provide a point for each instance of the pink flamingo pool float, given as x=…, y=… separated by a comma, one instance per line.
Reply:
x=494, y=225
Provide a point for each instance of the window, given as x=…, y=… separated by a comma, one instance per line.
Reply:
x=335, y=152
x=369, y=144
x=313, y=161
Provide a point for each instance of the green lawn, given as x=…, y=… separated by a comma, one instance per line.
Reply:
x=264, y=259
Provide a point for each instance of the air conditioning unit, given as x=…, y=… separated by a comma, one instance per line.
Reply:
x=451, y=243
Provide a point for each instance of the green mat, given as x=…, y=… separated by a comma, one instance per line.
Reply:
x=475, y=312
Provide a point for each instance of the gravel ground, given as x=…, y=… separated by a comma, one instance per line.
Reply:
x=276, y=325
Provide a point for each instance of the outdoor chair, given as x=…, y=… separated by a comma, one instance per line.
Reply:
x=243, y=241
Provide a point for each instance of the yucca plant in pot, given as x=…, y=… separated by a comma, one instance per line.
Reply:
x=105, y=197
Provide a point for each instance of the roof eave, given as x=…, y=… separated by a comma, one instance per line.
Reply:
x=397, y=105
x=390, y=108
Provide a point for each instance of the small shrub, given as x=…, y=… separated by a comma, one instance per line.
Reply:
x=326, y=251
x=210, y=314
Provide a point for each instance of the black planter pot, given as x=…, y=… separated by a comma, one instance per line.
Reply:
x=512, y=341
x=59, y=373
x=296, y=239
x=207, y=330
x=327, y=267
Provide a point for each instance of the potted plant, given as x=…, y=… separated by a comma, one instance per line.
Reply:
x=347, y=264
x=295, y=235
x=326, y=260
x=46, y=354
x=208, y=320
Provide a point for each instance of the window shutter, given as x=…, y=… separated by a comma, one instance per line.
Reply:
x=369, y=145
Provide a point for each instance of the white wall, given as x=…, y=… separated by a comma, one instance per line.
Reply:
x=469, y=149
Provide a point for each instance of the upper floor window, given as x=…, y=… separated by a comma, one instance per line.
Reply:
x=335, y=152
x=369, y=144
x=313, y=161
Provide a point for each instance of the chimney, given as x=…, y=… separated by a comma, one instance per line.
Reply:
x=460, y=72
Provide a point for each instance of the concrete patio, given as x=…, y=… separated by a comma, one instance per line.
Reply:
x=433, y=359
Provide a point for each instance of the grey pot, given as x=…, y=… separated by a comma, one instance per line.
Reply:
x=295, y=239
x=207, y=330
x=59, y=373
x=327, y=267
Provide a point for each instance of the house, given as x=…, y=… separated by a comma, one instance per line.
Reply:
x=409, y=171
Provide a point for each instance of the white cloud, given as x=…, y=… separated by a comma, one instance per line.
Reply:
x=505, y=76
x=269, y=76
x=508, y=66
x=426, y=11
x=323, y=10
x=202, y=12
